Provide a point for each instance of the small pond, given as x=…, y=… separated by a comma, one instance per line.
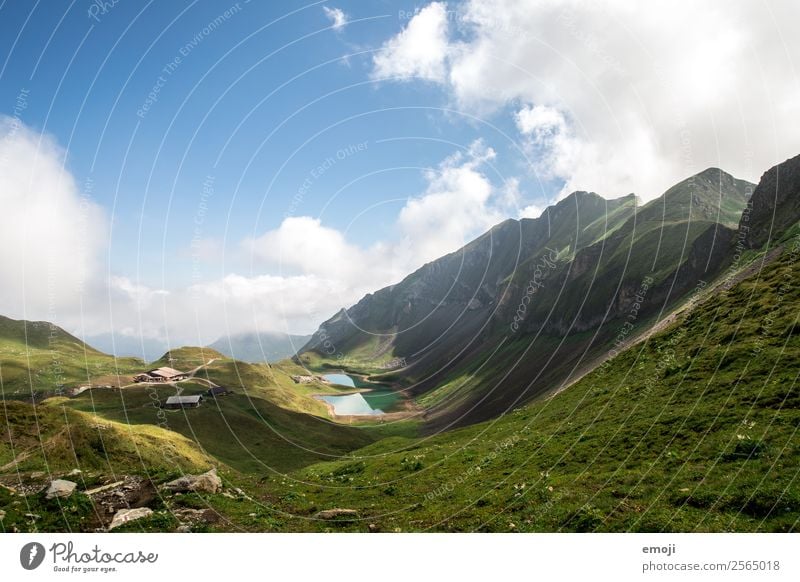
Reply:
x=378, y=400
x=340, y=380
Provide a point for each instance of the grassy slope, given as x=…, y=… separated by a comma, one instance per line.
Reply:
x=272, y=382
x=248, y=433
x=268, y=424
x=53, y=440
x=53, y=437
x=37, y=357
x=696, y=429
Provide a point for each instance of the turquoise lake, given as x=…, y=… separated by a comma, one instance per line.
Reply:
x=375, y=402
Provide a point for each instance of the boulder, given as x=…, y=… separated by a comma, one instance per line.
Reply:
x=124, y=516
x=60, y=488
x=335, y=513
x=206, y=483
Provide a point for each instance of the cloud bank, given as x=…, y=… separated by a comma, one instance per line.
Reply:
x=52, y=235
x=54, y=239
x=613, y=97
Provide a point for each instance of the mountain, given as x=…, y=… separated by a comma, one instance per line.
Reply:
x=530, y=303
x=694, y=429
x=775, y=203
x=458, y=292
x=260, y=347
x=687, y=423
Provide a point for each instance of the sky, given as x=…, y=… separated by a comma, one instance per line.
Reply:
x=181, y=171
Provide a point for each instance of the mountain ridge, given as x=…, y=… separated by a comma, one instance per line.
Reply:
x=570, y=272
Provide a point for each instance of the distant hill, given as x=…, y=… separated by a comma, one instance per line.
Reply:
x=38, y=358
x=188, y=357
x=128, y=346
x=38, y=335
x=260, y=347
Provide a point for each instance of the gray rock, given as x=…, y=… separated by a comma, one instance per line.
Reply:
x=206, y=483
x=124, y=516
x=335, y=513
x=60, y=488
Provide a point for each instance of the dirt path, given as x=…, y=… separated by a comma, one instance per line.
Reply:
x=44, y=445
x=18, y=459
x=201, y=366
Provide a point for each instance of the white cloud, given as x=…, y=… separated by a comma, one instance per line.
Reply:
x=540, y=121
x=337, y=17
x=419, y=50
x=552, y=145
x=202, y=312
x=304, y=271
x=455, y=207
x=140, y=295
x=458, y=203
x=648, y=96
x=531, y=211
x=52, y=237
x=303, y=244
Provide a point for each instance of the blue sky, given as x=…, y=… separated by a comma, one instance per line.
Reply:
x=183, y=170
x=258, y=104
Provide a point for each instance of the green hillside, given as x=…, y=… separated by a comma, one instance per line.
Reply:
x=689, y=422
x=266, y=424
x=693, y=430
x=246, y=432
x=56, y=438
x=37, y=358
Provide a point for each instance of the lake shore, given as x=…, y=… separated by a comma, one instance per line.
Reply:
x=409, y=409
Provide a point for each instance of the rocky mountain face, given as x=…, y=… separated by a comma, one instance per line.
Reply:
x=446, y=302
x=669, y=244
x=775, y=203
x=543, y=293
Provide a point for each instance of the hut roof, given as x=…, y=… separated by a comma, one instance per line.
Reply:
x=166, y=372
x=184, y=399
